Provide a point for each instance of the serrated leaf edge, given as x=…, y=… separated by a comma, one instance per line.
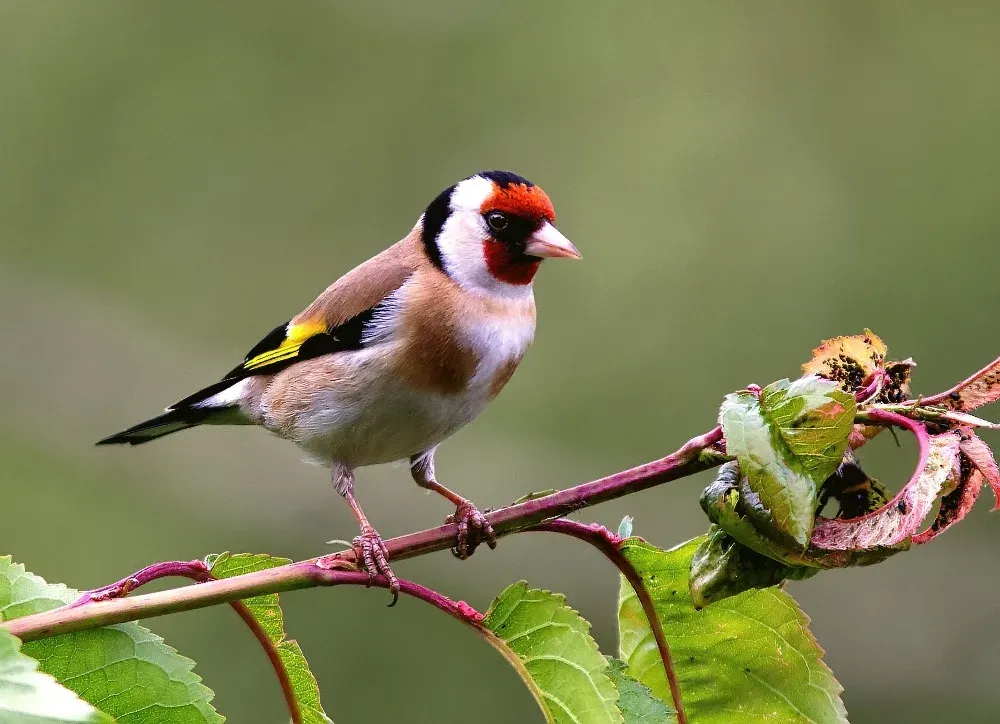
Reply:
x=520, y=664
x=67, y=594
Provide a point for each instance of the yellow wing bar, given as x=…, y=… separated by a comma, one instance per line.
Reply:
x=295, y=336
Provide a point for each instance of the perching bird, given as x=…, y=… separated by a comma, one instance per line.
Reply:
x=399, y=353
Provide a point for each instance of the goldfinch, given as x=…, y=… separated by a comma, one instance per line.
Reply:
x=399, y=353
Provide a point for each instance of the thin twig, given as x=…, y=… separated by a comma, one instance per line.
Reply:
x=274, y=656
x=465, y=613
x=609, y=544
x=195, y=570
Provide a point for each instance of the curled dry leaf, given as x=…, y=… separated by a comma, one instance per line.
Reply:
x=980, y=456
x=900, y=518
x=980, y=389
x=977, y=467
x=849, y=361
x=868, y=528
x=954, y=506
x=897, y=386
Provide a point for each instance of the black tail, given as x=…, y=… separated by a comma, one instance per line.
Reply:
x=165, y=424
x=186, y=413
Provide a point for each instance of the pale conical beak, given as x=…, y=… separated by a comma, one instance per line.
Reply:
x=549, y=243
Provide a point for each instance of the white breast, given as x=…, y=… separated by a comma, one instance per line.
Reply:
x=498, y=340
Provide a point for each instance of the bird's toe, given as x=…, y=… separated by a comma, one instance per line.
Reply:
x=372, y=551
x=473, y=529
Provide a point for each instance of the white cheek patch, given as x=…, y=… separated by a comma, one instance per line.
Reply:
x=461, y=244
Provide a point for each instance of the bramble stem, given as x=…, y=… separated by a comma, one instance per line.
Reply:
x=699, y=453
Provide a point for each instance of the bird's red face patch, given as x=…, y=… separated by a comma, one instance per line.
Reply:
x=505, y=265
x=527, y=207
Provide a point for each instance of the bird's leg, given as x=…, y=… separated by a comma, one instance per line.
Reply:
x=473, y=528
x=369, y=545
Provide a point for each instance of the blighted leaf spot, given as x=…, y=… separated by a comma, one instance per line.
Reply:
x=897, y=387
x=976, y=467
x=858, y=362
x=847, y=360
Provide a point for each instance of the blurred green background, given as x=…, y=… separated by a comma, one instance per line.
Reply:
x=743, y=179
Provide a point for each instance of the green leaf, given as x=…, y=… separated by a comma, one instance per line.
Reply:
x=550, y=645
x=722, y=567
x=625, y=527
x=267, y=612
x=787, y=442
x=781, y=495
x=723, y=502
x=28, y=696
x=749, y=658
x=814, y=418
x=126, y=669
x=635, y=701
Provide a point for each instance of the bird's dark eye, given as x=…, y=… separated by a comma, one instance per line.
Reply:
x=497, y=220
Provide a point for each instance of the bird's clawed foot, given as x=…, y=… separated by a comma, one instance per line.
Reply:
x=473, y=529
x=372, y=552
